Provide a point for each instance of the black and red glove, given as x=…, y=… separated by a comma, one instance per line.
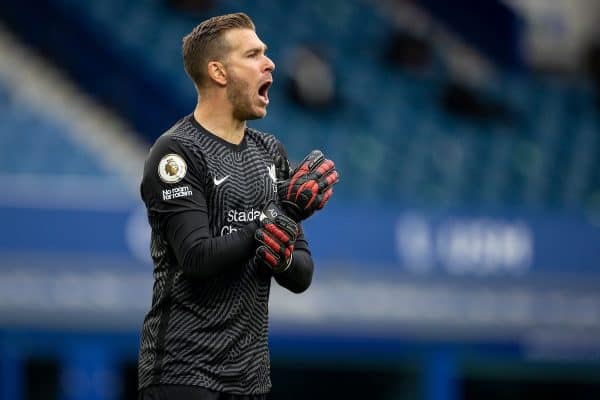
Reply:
x=308, y=188
x=276, y=237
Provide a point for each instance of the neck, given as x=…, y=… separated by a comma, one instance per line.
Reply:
x=216, y=115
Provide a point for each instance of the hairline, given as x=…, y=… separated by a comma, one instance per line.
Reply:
x=217, y=47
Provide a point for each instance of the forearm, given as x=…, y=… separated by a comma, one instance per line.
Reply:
x=206, y=258
x=203, y=256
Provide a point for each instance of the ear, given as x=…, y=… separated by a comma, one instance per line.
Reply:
x=216, y=72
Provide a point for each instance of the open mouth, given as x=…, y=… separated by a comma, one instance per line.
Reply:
x=263, y=91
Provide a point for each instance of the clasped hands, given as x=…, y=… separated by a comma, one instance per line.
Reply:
x=301, y=193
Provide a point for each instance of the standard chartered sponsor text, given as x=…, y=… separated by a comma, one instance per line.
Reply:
x=237, y=216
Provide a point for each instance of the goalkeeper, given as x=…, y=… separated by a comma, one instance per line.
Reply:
x=225, y=210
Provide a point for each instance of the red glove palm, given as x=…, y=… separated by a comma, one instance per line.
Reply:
x=309, y=187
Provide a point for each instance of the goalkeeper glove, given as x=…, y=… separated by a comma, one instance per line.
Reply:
x=276, y=237
x=308, y=188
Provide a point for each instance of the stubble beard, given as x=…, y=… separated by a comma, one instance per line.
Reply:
x=238, y=94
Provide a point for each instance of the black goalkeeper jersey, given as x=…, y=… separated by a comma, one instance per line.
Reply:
x=209, y=317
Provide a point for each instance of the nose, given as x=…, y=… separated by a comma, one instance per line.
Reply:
x=270, y=65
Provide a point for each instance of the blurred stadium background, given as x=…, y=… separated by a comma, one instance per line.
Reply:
x=459, y=259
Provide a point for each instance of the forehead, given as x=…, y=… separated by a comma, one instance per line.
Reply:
x=243, y=39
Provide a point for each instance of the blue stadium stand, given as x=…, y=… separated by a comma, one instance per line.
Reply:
x=34, y=144
x=147, y=35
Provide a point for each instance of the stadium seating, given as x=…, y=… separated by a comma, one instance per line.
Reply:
x=390, y=137
x=32, y=143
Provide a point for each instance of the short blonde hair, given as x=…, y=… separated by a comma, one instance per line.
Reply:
x=205, y=43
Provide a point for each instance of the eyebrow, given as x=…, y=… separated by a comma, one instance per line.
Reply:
x=264, y=48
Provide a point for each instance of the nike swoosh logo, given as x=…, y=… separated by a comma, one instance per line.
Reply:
x=219, y=181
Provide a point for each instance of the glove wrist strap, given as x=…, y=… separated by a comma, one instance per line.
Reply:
x=289, y=263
